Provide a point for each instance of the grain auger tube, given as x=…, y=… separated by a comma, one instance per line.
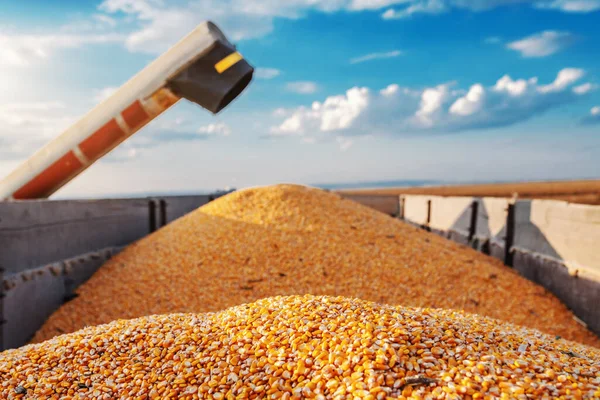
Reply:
x=204, y=68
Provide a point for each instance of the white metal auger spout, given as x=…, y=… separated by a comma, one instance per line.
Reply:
x=204, y=68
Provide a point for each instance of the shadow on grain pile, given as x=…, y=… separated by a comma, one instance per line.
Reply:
x=294, y=240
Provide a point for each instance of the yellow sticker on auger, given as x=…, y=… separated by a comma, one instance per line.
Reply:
x=228, y=62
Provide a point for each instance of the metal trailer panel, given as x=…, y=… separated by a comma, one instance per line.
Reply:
x=36, y=233
x=451, y=214
x=33, y=295
x=416, y=209
x=557, y=245
x=389, y=205
x=561, y=230
x=490, y=232
x=552, y=243
x=32, y=298
x=579, y=293
x=49, y=248
x=177, y=207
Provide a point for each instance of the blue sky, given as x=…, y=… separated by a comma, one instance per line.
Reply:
x=346, y=90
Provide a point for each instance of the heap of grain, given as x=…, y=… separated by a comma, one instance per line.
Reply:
x=304, y=347
x=293, y=240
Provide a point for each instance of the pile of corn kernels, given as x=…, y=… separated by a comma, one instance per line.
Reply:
x=292, y=240
x=304, y=347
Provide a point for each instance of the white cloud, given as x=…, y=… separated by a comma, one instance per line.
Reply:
x=431, y=104
x=398, y=110
x=390, y=90
x=23, y=50
x=371, y=4
x=159, y=24
x=170, y=129
x=376, y=56
x=96, y=23
x=104, y=20
x=483, y=5
x=155, y=25
x=303, y=87
x=162, y=131
x=39, y=120
x=542, y=44
x=266, y=73
x=103, y=94
x=565, y=78
x=124, y=152
x=218, y=129
x=593, y=118
x=336, y=113
x=344, y=142
x=28, y=126
x=417, y=7
x=471, y=103
x=585, y=88
x=571, y=6
x=280, y=112
x=432, y=7
x=514, y=88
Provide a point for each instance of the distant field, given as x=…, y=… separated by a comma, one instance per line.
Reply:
x=583, y=192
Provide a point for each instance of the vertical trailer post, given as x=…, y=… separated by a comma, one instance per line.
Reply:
x=152, y=225
x=163, y=212
x=473, y=225
x=428, y=223
x=402, y=207
x=510, y=234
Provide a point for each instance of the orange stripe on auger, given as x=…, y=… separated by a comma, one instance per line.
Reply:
x=53, y=176
x=102, y=140
x=135, y=116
